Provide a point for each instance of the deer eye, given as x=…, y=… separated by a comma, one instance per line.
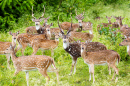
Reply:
x=6, y=49
x=126, y=40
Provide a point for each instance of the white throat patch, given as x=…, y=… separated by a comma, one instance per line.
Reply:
x=80, y=24
x=37, y=27
x=82, y=51
x=65, y=45
x=90, y=32
x=128, y=48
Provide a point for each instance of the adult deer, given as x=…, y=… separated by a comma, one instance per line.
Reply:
x=100, y=57
x=37, y=28
x=51, y=31
x=126, y=42
x=32, y=62
x=25, y=39
x=84, y=25
x=79, y=35
x=45, y=44
x=5, y=46
x=74, y=48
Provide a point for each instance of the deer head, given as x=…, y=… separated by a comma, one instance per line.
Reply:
x=80, y=17
x=109, y=18
x=14, y=36
x=65, y=37
x=125, y=42
x=37, y=21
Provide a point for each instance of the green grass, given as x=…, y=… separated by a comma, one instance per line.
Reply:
x=63, y=60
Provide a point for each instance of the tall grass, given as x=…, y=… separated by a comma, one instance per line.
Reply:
x=63, y=60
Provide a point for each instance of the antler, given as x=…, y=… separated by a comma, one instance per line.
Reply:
x=43, y=13
x=32, y=13
x=70, y=26
x=83, y=11
x=60, y=27
x=76, y=12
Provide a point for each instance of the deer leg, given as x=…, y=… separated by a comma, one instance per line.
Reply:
x=73, y=65
x=92, y=71
x=8, y=60
x=44, y=73
x=19, y=47
x=16, y=72
x=89, y=72
x=56, y=71
x=23, y=48
x=115, y=71
x=35, y=49
x=52, y=52
x=109, y=70
x=27, y=77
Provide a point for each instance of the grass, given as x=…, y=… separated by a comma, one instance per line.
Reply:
x=63, y=60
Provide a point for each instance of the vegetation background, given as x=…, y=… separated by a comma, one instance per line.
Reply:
x=16, y=15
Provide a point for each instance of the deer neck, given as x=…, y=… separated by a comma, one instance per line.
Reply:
x=128, y=48
x=14, y=43
x=90, y=31
x=120, y=24
x=109, y=22
x=65, y=45
x=38, y=27
x=80, y=24
x=83, y=53
x=13, y=56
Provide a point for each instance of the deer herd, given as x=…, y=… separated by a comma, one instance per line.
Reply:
x=40, y=37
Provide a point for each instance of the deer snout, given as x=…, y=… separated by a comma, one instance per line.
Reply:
x=36, y=24
x=14, y=38
x=82, y=48
x=64, y=41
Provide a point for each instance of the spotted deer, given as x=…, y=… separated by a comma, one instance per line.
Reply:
x=5, y=45
x=37, y=28
x=84, y=25
x=31, y=63
x=115, y=24
x=100, y=57
x=45, y=44
x=25, y=39
x=74, y=48
x=51, y=31
x=104, y=24
x=124, y=29
x=126, y=42
x=79, y=35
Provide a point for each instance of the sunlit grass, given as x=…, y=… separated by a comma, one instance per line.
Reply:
x=63, y=60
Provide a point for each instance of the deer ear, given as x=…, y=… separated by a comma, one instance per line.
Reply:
x=122, y=18
x=106, y=17
x=77, y=17
x=91, y=24
x=48, y=17
x=33, y=20
x=41, y=19
x=18, y=32
x=51, y=24
x=10, y=32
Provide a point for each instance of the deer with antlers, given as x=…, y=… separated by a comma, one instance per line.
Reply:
x=74, y=48
x=45, y=44
x=37, y=28
x=100, y=57
x=25, y=39
x=5, y=46
x=84, y=25
x=79, y=35
x=32, y=62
